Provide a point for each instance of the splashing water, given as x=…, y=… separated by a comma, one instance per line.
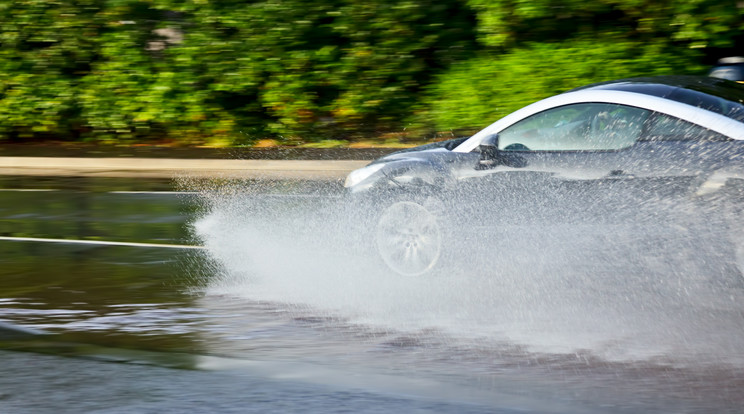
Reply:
x=651, y=294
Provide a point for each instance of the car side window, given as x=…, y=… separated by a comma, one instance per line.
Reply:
x=577, y=127
x=661, y=127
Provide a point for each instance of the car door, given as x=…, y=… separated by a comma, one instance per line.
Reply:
x=589, y=161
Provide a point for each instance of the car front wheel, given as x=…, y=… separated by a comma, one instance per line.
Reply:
x=409, y=237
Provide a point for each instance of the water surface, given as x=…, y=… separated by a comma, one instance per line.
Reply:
x=274, y=316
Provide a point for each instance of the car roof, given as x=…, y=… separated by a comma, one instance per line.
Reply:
x=713, y=94
x=677, y=81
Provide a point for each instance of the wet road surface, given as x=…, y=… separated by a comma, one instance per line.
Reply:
x=266, y=318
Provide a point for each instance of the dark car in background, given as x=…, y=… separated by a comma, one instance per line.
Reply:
x=731, y=68
x=641, y=151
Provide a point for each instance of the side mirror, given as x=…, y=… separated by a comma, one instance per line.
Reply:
x=489, y=148
x=491, y=156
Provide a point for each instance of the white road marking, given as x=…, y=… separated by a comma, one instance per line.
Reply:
x=100, y=242
x=27, y=190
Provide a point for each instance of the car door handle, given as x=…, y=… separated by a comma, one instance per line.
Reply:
x=619, y=174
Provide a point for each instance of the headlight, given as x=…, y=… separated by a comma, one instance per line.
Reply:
x=357, y=176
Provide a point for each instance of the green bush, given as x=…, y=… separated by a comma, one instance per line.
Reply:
x=232, y=72
x=474, y=93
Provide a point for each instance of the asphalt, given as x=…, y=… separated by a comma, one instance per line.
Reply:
x=91, y=161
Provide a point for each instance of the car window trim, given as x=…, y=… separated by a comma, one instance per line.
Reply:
x=706, y=119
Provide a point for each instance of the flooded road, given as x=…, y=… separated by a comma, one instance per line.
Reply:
x=283, y=310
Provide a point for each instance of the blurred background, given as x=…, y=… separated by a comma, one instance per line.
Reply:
x=331, y=73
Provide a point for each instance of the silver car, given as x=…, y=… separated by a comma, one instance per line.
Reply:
x=661, y=150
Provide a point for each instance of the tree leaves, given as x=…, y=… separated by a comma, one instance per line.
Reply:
x=298, y=70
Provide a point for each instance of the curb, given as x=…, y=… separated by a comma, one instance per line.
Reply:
x=169, y=168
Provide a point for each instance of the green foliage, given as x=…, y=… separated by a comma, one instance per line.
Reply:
x=477, y=92
x=229, y=71
x=44, y=52
x=692, y=23
x=344, y=68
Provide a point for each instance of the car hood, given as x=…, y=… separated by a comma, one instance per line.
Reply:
x=430, y=164
x=408, y=153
